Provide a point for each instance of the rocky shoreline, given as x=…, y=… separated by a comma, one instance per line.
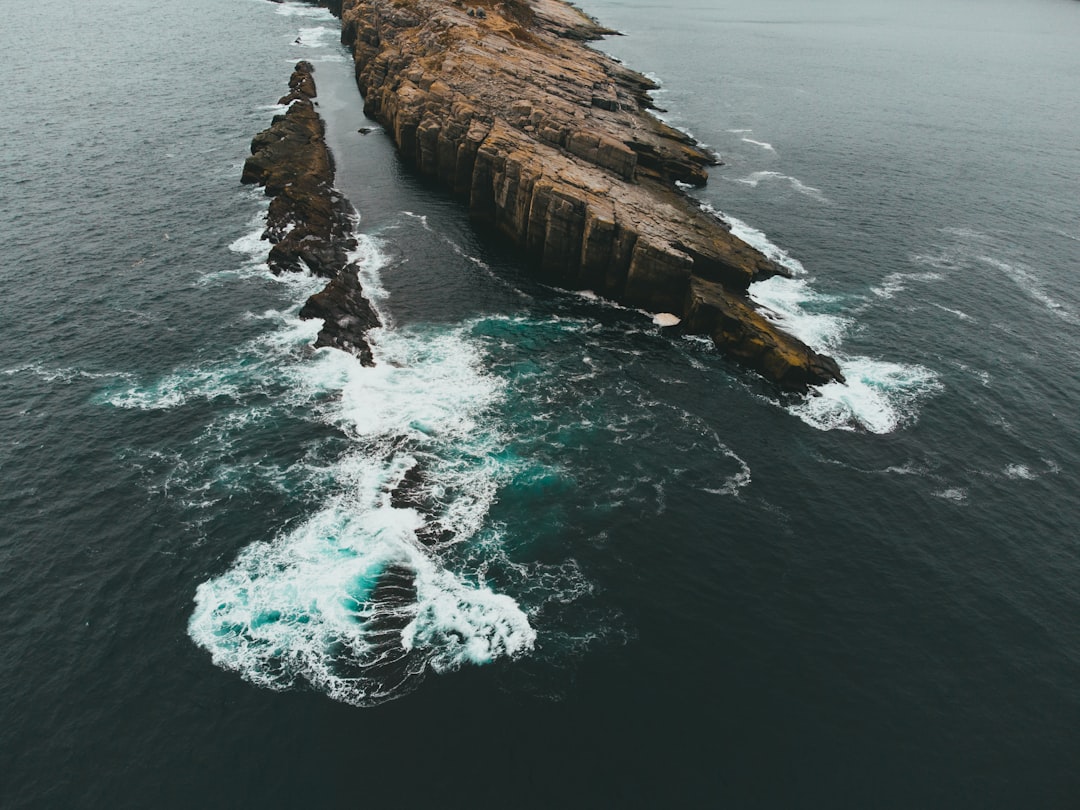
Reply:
x=553, y=144
x=309, y=224
x=548, y=141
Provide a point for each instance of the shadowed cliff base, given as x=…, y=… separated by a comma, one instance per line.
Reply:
x=552, y=143
x=309, y=223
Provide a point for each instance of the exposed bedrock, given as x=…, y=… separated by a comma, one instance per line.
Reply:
x=551, y=142
x=744, y=333
x=347, y=315
x=309, y=224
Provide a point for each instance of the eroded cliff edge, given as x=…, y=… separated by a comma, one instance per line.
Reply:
x=309, y=224
x=552, y=143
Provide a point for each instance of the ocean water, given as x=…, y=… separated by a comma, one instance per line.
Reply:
x=623, y=572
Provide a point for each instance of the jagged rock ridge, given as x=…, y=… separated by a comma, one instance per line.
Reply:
x=309, y=223
x=552, y=143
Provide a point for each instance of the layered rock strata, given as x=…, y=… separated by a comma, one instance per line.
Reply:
x=308, y=223
x=552, y=143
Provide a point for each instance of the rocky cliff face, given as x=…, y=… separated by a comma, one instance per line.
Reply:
x=309, y=223
x=552, y=143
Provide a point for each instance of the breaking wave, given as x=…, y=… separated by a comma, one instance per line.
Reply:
x=304, y=10
x=757, y=239
x=382, y=581
x=879, y=396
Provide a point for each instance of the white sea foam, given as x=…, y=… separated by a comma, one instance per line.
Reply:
x=762, y=144
x=251, y=244
x=905, y=469
x=303, y=10
x=1020, y=472
x=314, y=37
x=757, y=239
x=1028, y=281
x=177, y=389
x=958, y=313
x=421, y=218
x=259, y=365
x=955, y=494
x=299, y=608
x=895, y=283
x=791, y=303
x=296, y=608
x=878, y=396
x=64, y=374
x=654, y=78
x=983, y=376
x=756, y=178
x=941, y=261
x=427, y=392
x=736, y=482
x=973, y=251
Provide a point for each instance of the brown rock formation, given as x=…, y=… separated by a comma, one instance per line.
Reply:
x=347, y=315
x=308, y=222
x=551, y=142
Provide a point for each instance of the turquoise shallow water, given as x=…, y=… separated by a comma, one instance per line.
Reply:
x=646, y=580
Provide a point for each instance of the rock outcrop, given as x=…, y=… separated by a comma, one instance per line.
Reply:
x=309, y=224
x=552, y=143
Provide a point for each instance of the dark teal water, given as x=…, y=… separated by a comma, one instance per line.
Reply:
x=652, y=583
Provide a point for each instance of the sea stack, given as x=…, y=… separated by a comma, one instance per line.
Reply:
x=553, y=144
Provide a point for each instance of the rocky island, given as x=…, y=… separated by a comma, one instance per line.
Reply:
x=548, y=141
x=309, y=224
x=553, y=143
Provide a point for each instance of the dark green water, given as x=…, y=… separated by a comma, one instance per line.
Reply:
x=652, y=584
